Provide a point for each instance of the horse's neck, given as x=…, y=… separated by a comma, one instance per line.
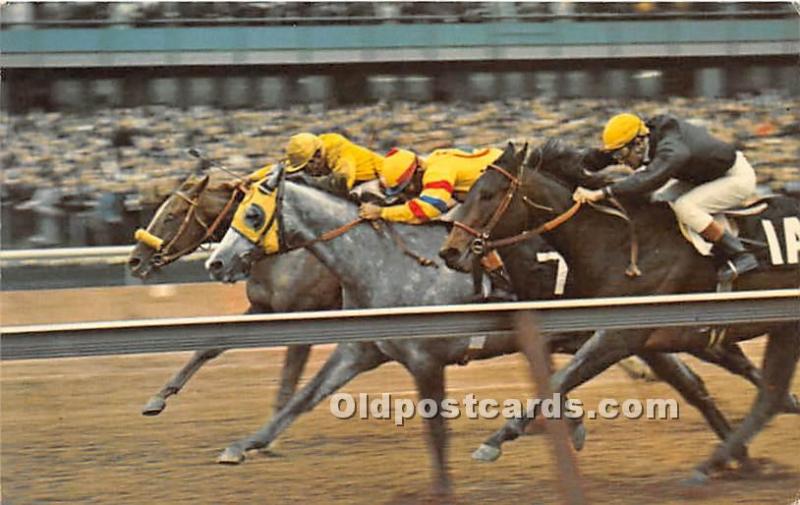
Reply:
x=368, y=263
x=597, y=246
x=309, y=213
x=213, y=204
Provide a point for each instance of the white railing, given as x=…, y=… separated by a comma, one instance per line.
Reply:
x=265, y=330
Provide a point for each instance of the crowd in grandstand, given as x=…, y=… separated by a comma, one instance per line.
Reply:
x=115, y=159
x=177, y=13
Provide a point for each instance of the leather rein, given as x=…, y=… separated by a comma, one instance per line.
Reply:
x=330, y=234
x=481, y=244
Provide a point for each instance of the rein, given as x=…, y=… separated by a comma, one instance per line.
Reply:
x=332, y=234
x=481, y=244
x=338, y=232
x=157, y=243
x=546, y=227
x=328, y=235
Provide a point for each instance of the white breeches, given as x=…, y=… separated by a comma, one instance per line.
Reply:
x=694, y=205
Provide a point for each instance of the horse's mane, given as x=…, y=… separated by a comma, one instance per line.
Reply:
x=566, y=164
x=560, y=161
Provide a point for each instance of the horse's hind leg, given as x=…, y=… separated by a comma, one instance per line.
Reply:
x=158, y=402
x=731, y=358
x=780, y=361
x=293, y=366
x=675, y=372
x=601, y=351
x=346, y=362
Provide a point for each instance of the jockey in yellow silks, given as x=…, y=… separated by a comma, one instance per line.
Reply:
x=433, y=185
x=335, y=162
x=436, y=181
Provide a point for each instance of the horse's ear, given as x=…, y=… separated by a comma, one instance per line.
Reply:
x=201, y=185
x=532, y=159
x=524, y=151
x=522, y=155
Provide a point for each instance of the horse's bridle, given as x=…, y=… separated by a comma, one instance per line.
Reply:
x=275, y=219
x=481, y=244
x=284, y=248
x=164, y=256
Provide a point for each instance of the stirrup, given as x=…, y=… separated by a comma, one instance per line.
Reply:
x=729, y=273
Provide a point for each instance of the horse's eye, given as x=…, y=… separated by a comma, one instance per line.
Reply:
x=485, y=195
x=170, y=217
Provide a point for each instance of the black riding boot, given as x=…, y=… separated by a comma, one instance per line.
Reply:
x=502, y=289
x=737, y=259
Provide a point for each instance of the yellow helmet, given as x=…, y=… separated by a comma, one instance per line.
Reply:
x=399, y=166
x=300, y=150
x=621, y=129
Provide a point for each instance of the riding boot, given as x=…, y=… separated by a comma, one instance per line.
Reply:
x=738, y=260
x=502, y=288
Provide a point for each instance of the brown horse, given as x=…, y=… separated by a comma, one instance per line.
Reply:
x=510, y=199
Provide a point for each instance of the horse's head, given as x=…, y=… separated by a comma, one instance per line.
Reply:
x=491, y=198
x=192, y=215
x=254, y=231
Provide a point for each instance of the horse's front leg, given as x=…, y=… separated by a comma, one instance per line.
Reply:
x=601, y=351
x=158, y=402
x=293, y=366
x=346, y=362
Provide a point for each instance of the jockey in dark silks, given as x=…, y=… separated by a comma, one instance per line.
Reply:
x=710, y=176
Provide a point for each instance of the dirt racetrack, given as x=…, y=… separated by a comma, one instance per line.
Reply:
x=72, y=433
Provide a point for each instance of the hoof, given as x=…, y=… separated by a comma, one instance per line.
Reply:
x=154, y=407
x=487, y=453
x=231, y=456
x=697, y=479
x=792, y=405
x=579, y=437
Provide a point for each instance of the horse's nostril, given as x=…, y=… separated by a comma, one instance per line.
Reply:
x=215, y=266
x=134, y=263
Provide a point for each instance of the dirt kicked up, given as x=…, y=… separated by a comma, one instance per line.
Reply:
x=72, y=434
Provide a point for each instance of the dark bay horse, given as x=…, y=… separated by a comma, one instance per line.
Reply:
x=199, y=211
x=511, y=199
x=280, y=215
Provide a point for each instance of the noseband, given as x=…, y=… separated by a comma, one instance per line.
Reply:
x=165, y=256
